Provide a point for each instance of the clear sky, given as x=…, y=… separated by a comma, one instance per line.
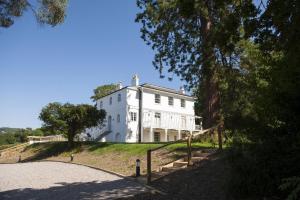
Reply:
x=98, y=43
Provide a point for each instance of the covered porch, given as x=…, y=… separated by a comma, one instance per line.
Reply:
x=162, y=135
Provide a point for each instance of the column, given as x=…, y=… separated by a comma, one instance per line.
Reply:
x=179, y=134
x=166, y=135
x=151, y=135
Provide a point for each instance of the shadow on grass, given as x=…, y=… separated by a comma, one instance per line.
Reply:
x=45, y=150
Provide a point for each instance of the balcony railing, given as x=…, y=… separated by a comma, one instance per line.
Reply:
x=169, y=120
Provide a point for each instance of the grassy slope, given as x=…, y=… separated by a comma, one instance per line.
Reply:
x=117, y=157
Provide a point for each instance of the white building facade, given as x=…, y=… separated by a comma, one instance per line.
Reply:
x=145, y=113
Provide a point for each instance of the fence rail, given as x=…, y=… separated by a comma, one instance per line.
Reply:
x=187, y=139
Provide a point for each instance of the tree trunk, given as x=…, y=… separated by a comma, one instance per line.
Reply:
x=211, y=101
x=189, y=148
x=70, y=140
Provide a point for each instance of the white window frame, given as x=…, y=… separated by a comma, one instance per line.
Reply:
x=133, y=116
x=182, y=103
x=157, y=115
x=157, y=98
x=171, y=100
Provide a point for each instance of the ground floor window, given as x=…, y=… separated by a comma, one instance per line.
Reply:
x=156, y=136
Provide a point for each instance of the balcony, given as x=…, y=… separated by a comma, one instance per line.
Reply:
x=169, y=120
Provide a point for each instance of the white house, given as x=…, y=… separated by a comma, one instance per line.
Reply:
x=145, y=113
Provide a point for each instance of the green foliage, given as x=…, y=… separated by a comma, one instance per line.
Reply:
x=246, y=61
x=17, y=135
x=102, y=91
x=293, y=184
x=257, y=169
x=49, y=11
x=70, y=119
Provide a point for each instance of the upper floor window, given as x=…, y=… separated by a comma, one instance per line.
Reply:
x=157, y=115
x=119, y=97
x=157, y=98
x=170, y=101
x=182, y=103
x=118, y=118
x=101, y=104
x=110, y=100
x=133, y=116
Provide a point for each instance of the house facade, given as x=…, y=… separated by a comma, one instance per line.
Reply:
x=145, y=113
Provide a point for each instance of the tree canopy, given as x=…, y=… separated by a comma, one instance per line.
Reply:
x=103, y=90
x=70, y=119
x=50, y=12
x=242, y=59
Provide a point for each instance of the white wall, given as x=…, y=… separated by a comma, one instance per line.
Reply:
x=132, y=106
x=113, y=110
x=149, y=103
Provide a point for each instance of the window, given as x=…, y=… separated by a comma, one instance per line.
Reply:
x=119, y=97
x=110, y=100
x=118, y=118
x=182, y=103
x=157, y=98
x=175, y=137
x=101, y=104
x=171, y=101
x=156, y=137
x=117, y=137
x=157, y=115
x=133, y=116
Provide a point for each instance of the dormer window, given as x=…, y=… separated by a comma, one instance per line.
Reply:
x=157, y=98
x=170, y=101
x=110, y=100
x=182, y=103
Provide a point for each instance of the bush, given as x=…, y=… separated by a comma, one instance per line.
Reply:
x=257, y=170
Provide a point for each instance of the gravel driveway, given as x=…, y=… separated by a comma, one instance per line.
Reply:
x=55, y=180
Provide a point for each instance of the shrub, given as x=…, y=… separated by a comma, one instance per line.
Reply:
x=257, y=169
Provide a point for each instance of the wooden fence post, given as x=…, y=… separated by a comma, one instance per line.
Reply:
x=149, y=166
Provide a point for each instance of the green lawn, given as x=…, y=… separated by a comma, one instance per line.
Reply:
x=97, y=148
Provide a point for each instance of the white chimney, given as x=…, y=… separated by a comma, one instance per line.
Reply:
x=135, y=80
x=119, y=86
x=181, y=90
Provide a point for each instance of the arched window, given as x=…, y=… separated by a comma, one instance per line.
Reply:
x=117, y=137
x=109, y=123
x=118, y=118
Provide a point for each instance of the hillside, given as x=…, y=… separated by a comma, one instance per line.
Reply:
x=116, y=157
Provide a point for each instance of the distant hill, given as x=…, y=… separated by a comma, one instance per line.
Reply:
x=9, y=130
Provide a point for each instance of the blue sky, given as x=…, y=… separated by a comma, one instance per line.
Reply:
x=99, y=43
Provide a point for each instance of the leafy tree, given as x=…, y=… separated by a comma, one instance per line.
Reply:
x=102, y=91
x=196, y=40
x=48, y=11
x=70, y=119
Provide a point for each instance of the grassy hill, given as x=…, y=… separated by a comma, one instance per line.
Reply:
x=117, y=157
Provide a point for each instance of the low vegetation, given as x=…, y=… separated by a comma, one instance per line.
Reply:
x=116, y=157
